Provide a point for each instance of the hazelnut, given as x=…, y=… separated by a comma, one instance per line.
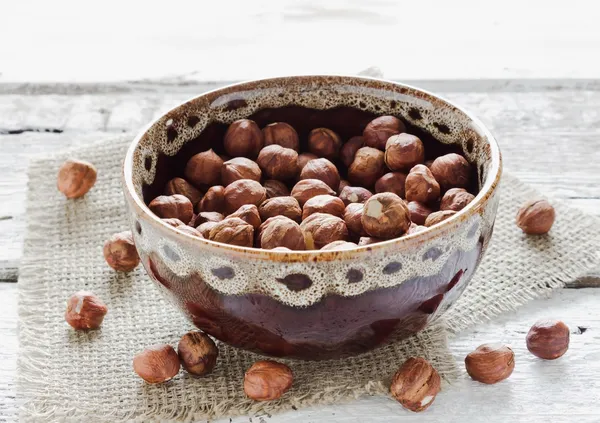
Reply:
x=267, y=380
x=404, y=151
x=536, y=217
x=323, y=170
x=120, y=253
x=284, y=206
x=355, y=195
x=438, y=216
x=176, y=205
x=308, y=188
x=343, y=184
x=205, y=228
x=490, y=363
x=324, y=142
x=451, y=171
x=85, y=311
x=174, y=222
x=157, y=363
x=414, y=228
x=415, y=384
x=243, y=139
x=76, y=178
x=203, y=217
x=232, y=231
x=320, y=229
x=548, y=339
x=339, y=245
x=204, y=168
x=278, y=162
x=249, y=214
x=276, y=189
x=304, y=158
x=418, y=212
x=213, y=200
x=456, y=199
x=421, y=185
x=323, y=204
x=197, y=353
x=183, y=187
x=378, y=131
x=367, y=167
x=283, y=249
x=353, y=218
x=393, y=182
x=368, y=240
x=190, y=231
x=280, y=231
x=385, y=215
x=243, y=191
x=282, y=134
x=349, y=149
x=240, y=168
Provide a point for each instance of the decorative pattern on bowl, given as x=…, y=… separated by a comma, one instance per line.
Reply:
x=311, y=304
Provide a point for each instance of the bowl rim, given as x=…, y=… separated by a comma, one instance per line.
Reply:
x=489, y=187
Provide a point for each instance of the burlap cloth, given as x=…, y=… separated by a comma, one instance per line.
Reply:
x=70, y=376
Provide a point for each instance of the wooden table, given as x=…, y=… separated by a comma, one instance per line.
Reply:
x=549, y=132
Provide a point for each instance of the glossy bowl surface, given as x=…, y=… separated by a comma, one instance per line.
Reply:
x=311, y=304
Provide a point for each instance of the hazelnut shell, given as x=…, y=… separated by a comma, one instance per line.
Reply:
x=243, y=139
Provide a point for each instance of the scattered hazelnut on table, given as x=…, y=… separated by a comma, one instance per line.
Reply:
x=233, y=231
x=85, y=311
x=183, y=187
x=75, y=178
x=197, y=353
x=204, y=168
x=394, y=182
x=304, y=158
x=278, y=162
x=204, y=217
x=320, y=229
x=280, y=206
x=205, y=228
x=548, y=339
x=418, y=212
x=176, y=205
x=421, y=186
x=308, y=188
x=120, y=253
x=243, y=139
x=349, y=149
x=355, y=195
x=282, y=134
x=451, y=171
x=280, y=231
x=368, y=166
x=323, y=204
x=403, y=152
x=267, y=380
x=213, y=200
x=456, y=199
x=353, y=218
x=276, y=189
x=239, y=168
x=157, y=363
x=249, y=214
x=438, y=216
x=323, y=170
x=339, y=245
x=536, y=217
x=490, y=363
x=323, y=142
x=385, y=216
x=377, y=132
x=368, y=240
x=243, y=191
x=415, y=384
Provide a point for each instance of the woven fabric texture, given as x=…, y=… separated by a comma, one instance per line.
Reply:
x=70, y=376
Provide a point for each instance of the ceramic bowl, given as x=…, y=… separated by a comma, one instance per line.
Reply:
x=311, y=304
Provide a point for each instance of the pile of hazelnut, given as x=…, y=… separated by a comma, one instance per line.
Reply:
x=268, y=194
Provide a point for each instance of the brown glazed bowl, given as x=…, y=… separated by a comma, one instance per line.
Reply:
x=311, y=304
